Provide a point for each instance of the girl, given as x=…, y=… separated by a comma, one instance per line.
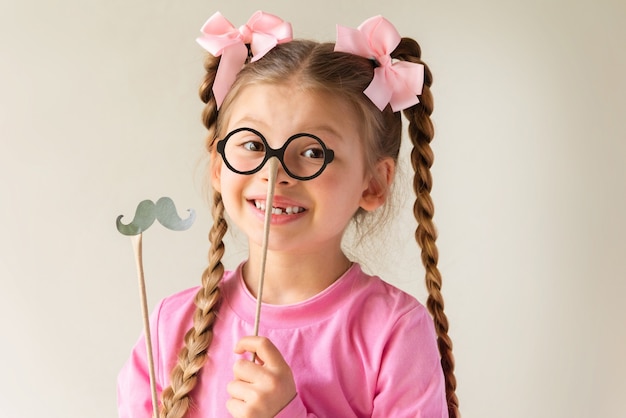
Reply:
x=335, y=342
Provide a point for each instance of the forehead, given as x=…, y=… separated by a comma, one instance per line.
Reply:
x=286, y=108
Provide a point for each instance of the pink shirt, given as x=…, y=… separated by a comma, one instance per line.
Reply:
x=360, y=348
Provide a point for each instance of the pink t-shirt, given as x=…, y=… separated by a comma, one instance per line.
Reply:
x=360, y=348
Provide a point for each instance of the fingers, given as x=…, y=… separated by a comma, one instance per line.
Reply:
x=261, y=388
x=265, y=350
x=242, y=400
x=238, y=408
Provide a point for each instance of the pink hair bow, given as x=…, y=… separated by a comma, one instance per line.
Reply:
x=397, y=83
x=263, y=32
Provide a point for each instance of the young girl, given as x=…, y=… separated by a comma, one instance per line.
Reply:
x=334, y=341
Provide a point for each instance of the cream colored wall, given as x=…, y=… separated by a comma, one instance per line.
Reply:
x=98, y=110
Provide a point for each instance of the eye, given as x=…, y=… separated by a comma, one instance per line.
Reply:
x=313, y=152
x=254, y=146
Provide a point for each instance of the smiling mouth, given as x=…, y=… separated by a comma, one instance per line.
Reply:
x=290, y=210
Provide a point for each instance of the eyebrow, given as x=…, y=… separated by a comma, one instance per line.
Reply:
x=247, y=119
x=327, y=129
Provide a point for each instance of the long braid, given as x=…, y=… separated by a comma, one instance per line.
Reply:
x=421, y=132
x=176, y=399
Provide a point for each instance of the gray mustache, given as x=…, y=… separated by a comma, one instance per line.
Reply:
x=147, y=211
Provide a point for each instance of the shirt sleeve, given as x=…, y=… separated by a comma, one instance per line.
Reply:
x=411, y=382
x=134, y=395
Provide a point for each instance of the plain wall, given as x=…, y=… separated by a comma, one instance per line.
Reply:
x=99, y=110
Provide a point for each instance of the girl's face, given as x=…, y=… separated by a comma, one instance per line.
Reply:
x=314, y=213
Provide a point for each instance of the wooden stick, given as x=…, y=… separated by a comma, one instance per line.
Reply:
x=147, y=211
x=136, y=241
x=271, y=186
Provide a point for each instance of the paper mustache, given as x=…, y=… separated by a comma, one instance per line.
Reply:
x=147, y=211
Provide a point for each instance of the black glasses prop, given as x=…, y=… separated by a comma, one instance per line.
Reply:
x=303, y=156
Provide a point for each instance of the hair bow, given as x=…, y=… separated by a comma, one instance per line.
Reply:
x=263, y=32
x=397, y=83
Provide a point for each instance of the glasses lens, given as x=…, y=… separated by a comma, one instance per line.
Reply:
x=304, y=156
x=244, y=150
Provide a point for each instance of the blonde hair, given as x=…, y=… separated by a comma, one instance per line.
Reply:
x=316, y=66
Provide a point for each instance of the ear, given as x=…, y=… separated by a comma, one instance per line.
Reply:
x=215, y=169
x=375, y=194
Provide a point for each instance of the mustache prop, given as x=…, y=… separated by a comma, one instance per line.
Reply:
x=147, y=211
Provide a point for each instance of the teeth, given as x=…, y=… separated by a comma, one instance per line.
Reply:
x=291, y=210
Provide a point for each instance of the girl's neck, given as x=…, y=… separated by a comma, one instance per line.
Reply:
x=292, y=278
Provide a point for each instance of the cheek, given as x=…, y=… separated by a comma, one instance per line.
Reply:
x=230, y=196
x=347, y=179
x=341, y=194
x=230, y=184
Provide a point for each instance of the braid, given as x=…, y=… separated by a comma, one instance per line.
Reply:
x=421, y=132
x=176, y=399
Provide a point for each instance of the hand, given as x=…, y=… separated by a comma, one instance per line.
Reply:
x=260, y=389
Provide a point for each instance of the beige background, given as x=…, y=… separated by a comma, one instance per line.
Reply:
x=98, y=110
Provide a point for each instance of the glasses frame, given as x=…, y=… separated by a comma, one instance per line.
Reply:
x=279, y=153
